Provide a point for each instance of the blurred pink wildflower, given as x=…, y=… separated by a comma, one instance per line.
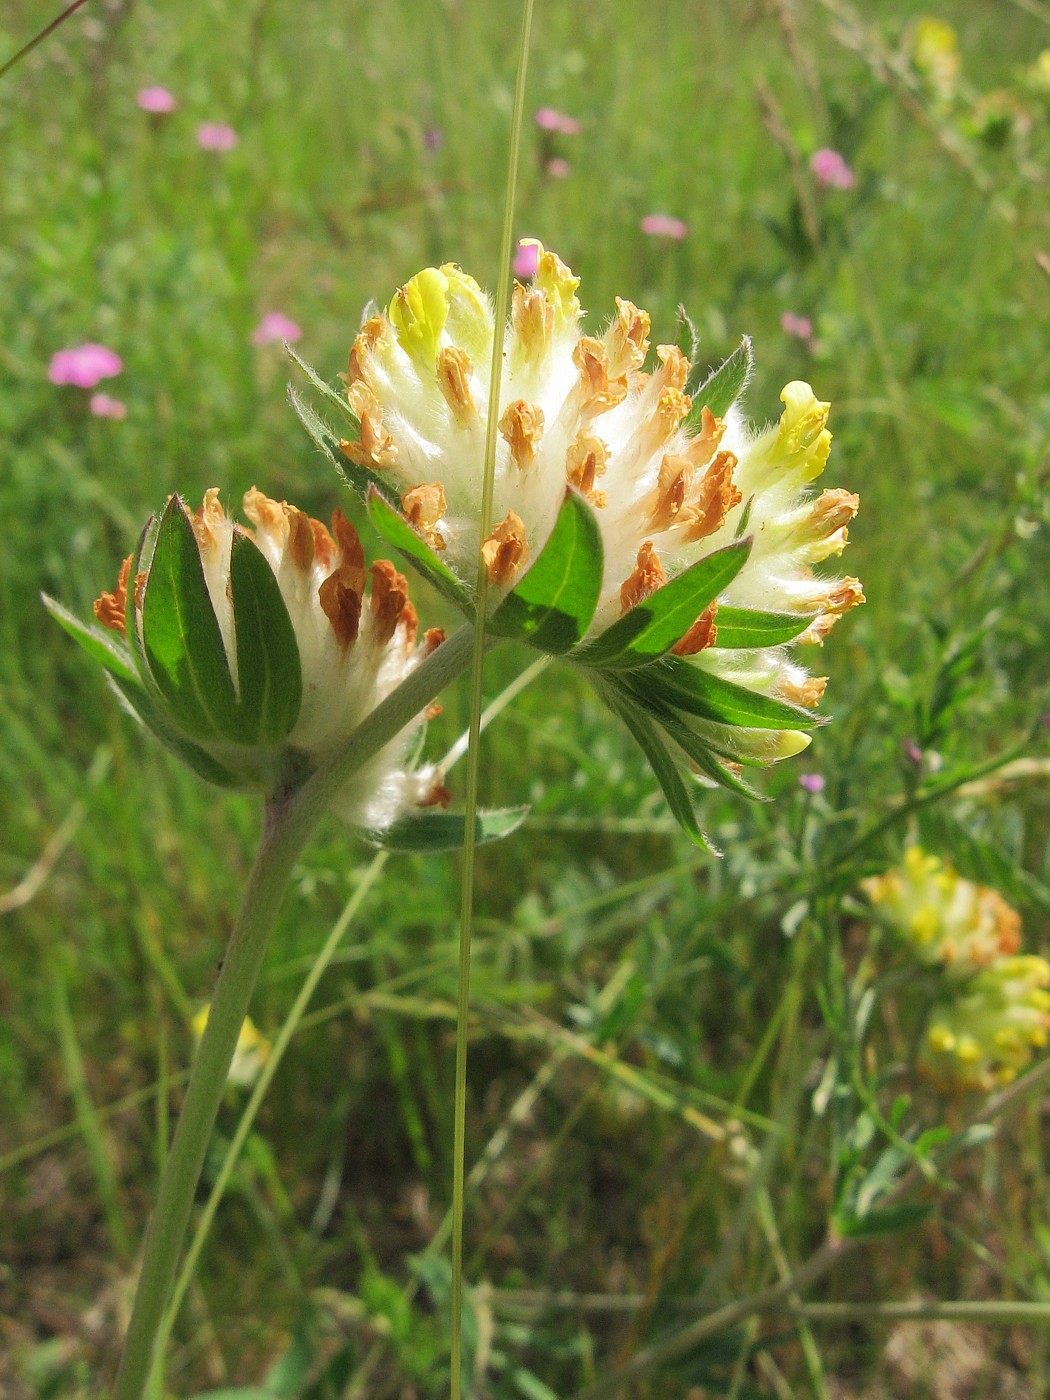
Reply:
x=156, y=99
x=216, y=136
x=558, y=168
x=102, y=406
x=84, y=365
x=664, y=226
x=801, y=327
x=526, y=259
x=276, y=326
x=549, y=119
x=831, y=170
x=811, y=782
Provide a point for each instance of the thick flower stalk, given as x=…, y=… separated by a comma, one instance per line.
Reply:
x=949, y=923
x=705, y=532
x=254, y=653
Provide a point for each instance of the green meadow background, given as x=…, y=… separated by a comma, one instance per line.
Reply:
x=667, y=1017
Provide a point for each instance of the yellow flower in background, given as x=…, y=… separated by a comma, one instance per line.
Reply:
x=986, y=1034
x=934, y=51
x=949, y=922
x=252, y=1052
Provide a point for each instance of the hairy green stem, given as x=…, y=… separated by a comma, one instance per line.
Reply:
x=289, y=822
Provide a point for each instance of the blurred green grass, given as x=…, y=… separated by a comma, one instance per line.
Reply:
x=929, y=307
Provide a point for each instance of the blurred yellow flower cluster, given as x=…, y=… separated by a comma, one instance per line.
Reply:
x=993, y=1005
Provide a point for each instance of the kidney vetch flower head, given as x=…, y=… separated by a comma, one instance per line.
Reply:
x=255, y=653
x=693, y=535
x=986, y=1033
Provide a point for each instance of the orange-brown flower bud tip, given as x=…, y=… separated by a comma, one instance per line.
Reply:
x=389, y=596
x=676, y=474
x=585, y=460
x=433, y=710
x=599, y=392
x=704, y=444
x=808, y=692
x=628, y=337
x=365, y=342
x=647, y=576
x=111, y=607
x=324, y=545
x=432, y=639
x=351, y=551
x=454, y=369
x=376, y=447
x=340, y=601
x=505, y=549
x=714, y=498
x=522, y=428
x=264, y=513
x=208, y=518
x=423, y=507
x=438, y=796
x=532, y=316
x=300, y=539
x=701, y=635
x=410, y=624
x=675, y=366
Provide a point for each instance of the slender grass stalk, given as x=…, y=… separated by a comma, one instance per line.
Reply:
x=87, y=1119
x=476, y=682
x=39, y=37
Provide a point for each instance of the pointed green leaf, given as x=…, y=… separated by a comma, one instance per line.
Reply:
x=428, y=832
x=883, y=1222
x=180, y=633
x=552, y=605
x=399, y=534
x=664, y=767
x=329, y=395
x=269, y=673
x=357, y=478
x=652, y=628
x=683, y=686
x=751, y=628
x=722, y=388
x=100, y=645
x=687, y=337
x=143, y=706
x=699, y=752
x=140, y=562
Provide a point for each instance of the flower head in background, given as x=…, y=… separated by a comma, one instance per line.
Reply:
x=831, y=170
x=84, y=365
x=687, y=504
x=216, y=136
x=250, y=650
x=103, y=406
x=157, y=100
x=986, y=1034
x=934, y=53
x=252, y=1052
x=664, y=226
x=800, y=327
x=811, y=782
x=558, y=168
x=549, y=119
x=526, y=259
x=275, y=326
x=949, y=922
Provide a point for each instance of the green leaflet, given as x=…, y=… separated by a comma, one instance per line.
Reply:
x=445, y=831
x=184, y=647
x=653, y=627
x=141, y=702
x=357, y=478
x=325, y=392
x=664, y=767
x=268, y=667
x=749, y=627
x=552, y=605
x=98, y=644
x=722, y=388
x=681, y=686
x=392, y=526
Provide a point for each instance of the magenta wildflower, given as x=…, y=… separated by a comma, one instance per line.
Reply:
x=156, y=99
x=549, y=119
x=664, y=226
x=216, y=136
x=811, y=782
x=526, y=259
x=558, y=168
x=102, y=406
x=84, y=365
x=276, y=326
x=801, y=327
x=831, y=170
x=433, y=138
